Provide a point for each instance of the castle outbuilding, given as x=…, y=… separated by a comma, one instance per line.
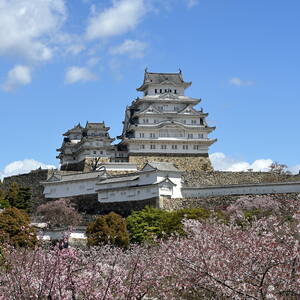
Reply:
x=81, y=144
x=165, y=126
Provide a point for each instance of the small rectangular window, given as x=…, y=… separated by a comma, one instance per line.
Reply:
x=160, y=90
x=164, y=147
x=190, y=135
x=142, y=146
x=175, y=91
x=152, y=146
x=174, y=147
x=155, y=91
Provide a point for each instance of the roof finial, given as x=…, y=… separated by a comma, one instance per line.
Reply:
x=146, y=70
x=180, y=72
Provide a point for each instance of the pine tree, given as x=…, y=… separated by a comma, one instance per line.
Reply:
x=19, y=197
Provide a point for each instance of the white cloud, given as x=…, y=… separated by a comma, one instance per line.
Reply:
x=23, y=166
x=76, y=74
x=239, y=82
x=19, y=75
x=221, y=162
x=75, y=49
x=27, y=26
x=295, y=169
x=135, y=49
x=191, y=3
x=121, y=17
x=93, y=61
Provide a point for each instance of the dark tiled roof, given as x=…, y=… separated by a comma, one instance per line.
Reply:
x=163, y=166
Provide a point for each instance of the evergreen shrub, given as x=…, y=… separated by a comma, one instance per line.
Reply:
x=108, y=229
x=15, y=229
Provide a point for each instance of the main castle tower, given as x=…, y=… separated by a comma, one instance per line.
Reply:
x=164, y=125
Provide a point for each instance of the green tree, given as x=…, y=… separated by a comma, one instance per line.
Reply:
x=150, y=223
x=15, y=229
x=108, y=229
x=19, y=197
x=4, y=203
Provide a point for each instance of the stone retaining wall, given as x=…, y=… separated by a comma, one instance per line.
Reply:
x=195, y=178
x=89, y=206
x=219, y=202
x=183, y=163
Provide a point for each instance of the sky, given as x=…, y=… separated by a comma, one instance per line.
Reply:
x=64, y=62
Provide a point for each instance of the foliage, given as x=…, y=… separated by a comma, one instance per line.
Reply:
x=59, y=213
x=108, y=229
x=215, y=261
x=150, y=223
x=15, y=229
x=4, y=203
x=19, y=197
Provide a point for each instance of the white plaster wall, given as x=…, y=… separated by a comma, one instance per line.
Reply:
x=151, y=89
x=131, y=194
x=147, y=147
x=69, y=189
x=279, y=188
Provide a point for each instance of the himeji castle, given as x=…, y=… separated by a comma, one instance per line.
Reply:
x=163, y=126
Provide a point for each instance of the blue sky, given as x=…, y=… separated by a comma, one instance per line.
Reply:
x=64, y=62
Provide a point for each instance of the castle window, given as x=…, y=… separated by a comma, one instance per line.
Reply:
x=155, y=91
x=101, y=152
x=175, y=91
x=185, y=147
x=190, y=136
x=194, y=121
x=95, y=152
x=142, y=147
x=196, y=147
x=152, y=135
x=184, y=121
x=142, y=134
x=201, y=121
x=164, y=147
x=166, y=90
x=200, y=136
x=160, y=90
x=152, y=147
x=174, y=147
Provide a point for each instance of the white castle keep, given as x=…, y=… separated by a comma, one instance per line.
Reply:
x=162, y=126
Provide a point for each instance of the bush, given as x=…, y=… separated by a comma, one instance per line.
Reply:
x=108, y=229
x=15, y=229
x=150, y=223
x=59, y=213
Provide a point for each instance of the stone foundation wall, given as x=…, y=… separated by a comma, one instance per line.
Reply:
x=219, y=202
x=183, y=163
x=194, y=178
x=90, y=207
